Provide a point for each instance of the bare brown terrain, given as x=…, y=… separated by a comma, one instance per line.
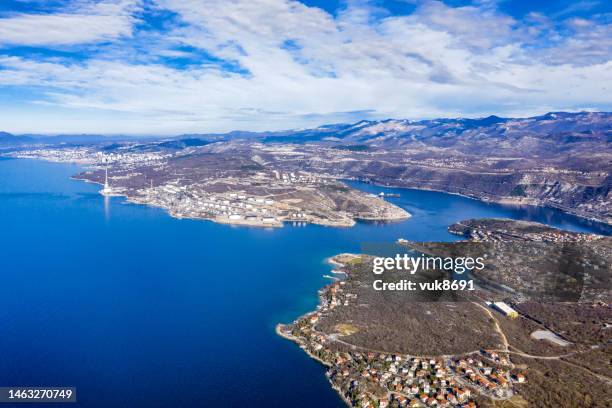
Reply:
x=547, y=354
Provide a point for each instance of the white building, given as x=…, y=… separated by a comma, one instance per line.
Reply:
x=505, y=309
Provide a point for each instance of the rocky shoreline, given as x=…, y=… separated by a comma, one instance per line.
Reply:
x=503, y=200
x=365, y=376
x=393, y=213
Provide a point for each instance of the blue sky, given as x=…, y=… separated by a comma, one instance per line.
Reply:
x=176, y=66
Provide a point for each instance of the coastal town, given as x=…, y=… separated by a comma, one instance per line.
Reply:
x=266, y=199
x=511, y=347
x=89, y=156
x=372, y=378
x=233, y=206
x=392, y=349
x=499, y=231
x=238, y=189
x=306, y=203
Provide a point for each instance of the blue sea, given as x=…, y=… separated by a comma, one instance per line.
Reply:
x=138, y=309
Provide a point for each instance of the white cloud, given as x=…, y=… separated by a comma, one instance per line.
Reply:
x=477, y=28
x=84, y=22
x=306, y=67
x=590, y=44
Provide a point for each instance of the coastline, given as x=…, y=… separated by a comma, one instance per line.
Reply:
x=287, y=336
x=257, y=223
x=244, y=223
x=281, y=331
x=332, y=261
x=357, y=386
x=509, y=201
x=514, y=202
x=399, y=214
x=518, y=203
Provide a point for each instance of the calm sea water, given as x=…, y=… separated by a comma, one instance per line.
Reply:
x=137, y=309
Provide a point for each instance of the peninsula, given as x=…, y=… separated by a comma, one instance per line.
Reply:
x=559, y=160
x=227, y=183
x=491, y=347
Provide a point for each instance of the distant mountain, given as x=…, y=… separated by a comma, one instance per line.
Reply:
x=6, y=137
x=183, y=143
x=10, y=139
x=559, y=159
x=547, y=134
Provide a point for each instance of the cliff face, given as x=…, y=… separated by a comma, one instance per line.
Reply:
x=584, y=196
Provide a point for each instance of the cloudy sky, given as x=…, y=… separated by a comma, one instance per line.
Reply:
x=176, y=66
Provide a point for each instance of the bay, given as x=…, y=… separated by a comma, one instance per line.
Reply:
x=138, y=309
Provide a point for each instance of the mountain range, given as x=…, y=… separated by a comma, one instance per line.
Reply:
x=560, y=159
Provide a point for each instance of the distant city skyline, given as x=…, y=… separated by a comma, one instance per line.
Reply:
x=180, y=66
